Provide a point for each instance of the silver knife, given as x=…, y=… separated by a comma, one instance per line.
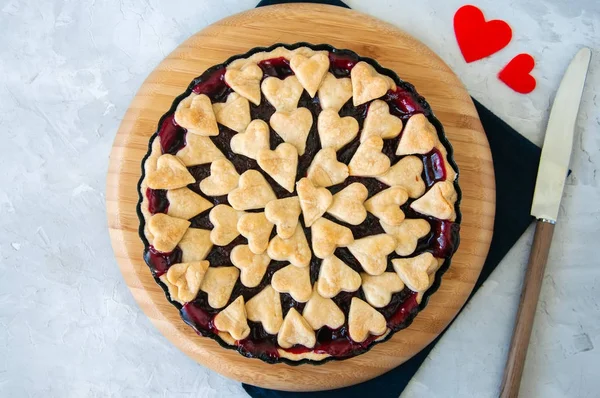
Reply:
x=552, y=173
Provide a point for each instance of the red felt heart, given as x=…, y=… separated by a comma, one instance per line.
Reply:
x=516, y=74
x=477, y=38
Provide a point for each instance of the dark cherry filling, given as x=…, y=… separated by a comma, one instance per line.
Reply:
x=441, y=241
x=172, y=135
x=276, y=67
x=259, y=343
x=160, y=262
x=402, y=102
x=341, y=63
x=157, y=200
x=213, y=85
x=445, y=239
x=199, y=315
x=433, y=168
x=265, y=348
x=408, y=308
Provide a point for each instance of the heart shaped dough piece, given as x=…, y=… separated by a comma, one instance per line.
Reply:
x=368, y=160
x=364, y=320
x=234, y=113
x=225, y=220
x=167, y=231
x=245, y=81
x=367, y=84
x=335, y=276
x=325, y=170
x=415, y=271
x=150, y=165
x=282, y=94
x=419, y=136
x=378, y=289
x=253, y=192
x=185, y=203
x=310, y=71
x=293, y=280
x=218, y=284
x=320, y=311
x=186, y=278
x=281, y=164
x=438, y=202
x=293, y=127
x=391, y=82
x=295, y=249
x=265, y=308
x=372, y=251
x=386, y=205
x=334, y=93
x=252, y=266
x=335, y=131
x=420, y=295
x=198, y=150
x=233, y=320
x=407, y=234
x=284, y=214
x=347, y=205
x=257, y=229
x=195, y=245
x=222, y=180
x=379, y=122
x=252, y=141
x=313, y=201
x=170, y=173
x=327, y=236
x=407, y=174
x=195, y=114
x=295, y=330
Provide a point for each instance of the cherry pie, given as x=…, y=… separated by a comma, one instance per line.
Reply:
x=297, y=203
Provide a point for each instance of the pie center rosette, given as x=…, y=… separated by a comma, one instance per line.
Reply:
x=297, y=202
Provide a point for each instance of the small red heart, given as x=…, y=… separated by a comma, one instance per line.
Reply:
x=477, y=38
x=516, y=74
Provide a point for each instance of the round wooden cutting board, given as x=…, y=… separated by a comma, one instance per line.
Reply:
x=341, y=28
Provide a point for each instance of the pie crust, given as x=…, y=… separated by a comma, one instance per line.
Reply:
x=298, y=203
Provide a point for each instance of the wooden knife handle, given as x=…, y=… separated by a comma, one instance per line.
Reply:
x=529, y=299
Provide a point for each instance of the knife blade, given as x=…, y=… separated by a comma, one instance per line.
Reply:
x=558, y=143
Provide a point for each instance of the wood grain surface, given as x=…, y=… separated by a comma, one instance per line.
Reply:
x=316, y=24
x=530, y=295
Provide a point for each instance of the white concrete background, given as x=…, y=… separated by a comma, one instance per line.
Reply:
x=69, y=326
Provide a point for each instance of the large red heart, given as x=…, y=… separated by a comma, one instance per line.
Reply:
x=477, y=38
x=516, y=74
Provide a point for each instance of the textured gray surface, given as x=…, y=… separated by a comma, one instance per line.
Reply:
x=69, y=326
